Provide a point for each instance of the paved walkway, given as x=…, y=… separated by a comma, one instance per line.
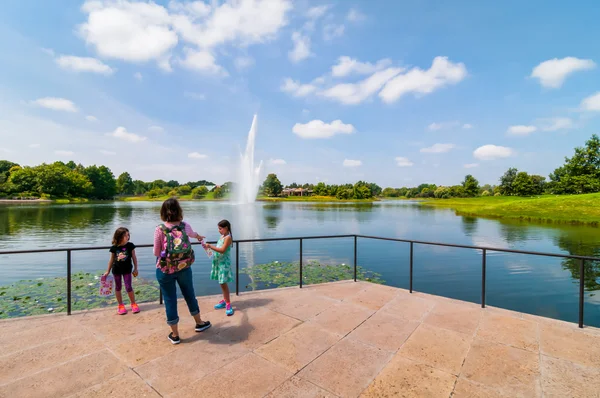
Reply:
x=335, y=340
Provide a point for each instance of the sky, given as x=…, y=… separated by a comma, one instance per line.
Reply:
x=393, y=92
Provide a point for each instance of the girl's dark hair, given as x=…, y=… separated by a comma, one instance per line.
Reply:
x=226, y=224
x=171, y=211
x=118, y=236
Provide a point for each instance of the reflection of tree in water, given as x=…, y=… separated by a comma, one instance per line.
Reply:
x=355, y=207
x=582, y=244
x=272, y=221
x=469, y=225
x=65, y=218
x=514, y=233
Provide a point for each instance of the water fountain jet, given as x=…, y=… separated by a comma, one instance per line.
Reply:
x=248, y=175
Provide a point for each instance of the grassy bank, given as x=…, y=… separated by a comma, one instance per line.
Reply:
x=209, y=196
x=570, y=209
x=310, y=199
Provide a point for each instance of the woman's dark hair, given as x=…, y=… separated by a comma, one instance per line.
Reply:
x=171, y=211
x=226, y=224
x=118, y=236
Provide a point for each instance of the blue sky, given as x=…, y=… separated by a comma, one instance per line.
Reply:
x=395, y=92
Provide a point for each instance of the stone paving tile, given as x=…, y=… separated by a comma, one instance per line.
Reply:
x=259, y=330
x=440, y=348
x=515, y=332
x=31, y=336
x=456, y=317
x=127, y=384
x=342, y=318
x=26, y=362
x=561, y=378
x=191, y=362
x=373, y=297
x=142, y=348
x=570, y=344
x=409, y=307
x=303, y=306
x=298, y=347
x=405, y=378
x=347, y=368
x=468, y=389
x=249, y=376
x=295, y=387
x=510, y=370
x=339, y=290
x=384, y=331
x=67, y=378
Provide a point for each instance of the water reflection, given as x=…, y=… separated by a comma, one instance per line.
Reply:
x=469, y=225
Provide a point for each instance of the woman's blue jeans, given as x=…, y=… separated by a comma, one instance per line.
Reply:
x=167, y=282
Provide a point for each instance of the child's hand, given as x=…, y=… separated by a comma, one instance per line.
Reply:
x=106, y=273
x=135, y=272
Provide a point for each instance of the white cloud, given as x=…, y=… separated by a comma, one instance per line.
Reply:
x=196, y=155
x=492, y=152
x=156, y=129
x=301, y=49
x=131, y=31
x=64, y=153
x=403, y=162
x=347, y=66
x=355, y=93
x=145, y=31
x=297, y=89
x=352, y=163
x=194, y=96
x=91, y=118
x=56, y=104
x=243, y=62
x=556, y=123
x=442, y=125
x=467, y=126
x=34, y=145
x=83, y=64
x=471, y=165
x=123, y=134
x=355, y=16
x=138, y=76
x=521, y=130
x=318, y=11
x=332, y=31
x=108, y=153
x=552, y=73
x=277, y=161
x=48, y=51
x=438, y=148
x=442, y=73
x=591, y=103
x=320, y=129
x=201, y=61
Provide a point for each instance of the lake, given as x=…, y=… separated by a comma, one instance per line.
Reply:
x=531, y=284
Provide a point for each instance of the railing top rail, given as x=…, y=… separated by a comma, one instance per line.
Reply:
x=292, y=238
x=491, y=249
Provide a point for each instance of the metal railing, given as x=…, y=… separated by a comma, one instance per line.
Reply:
x=301, y=239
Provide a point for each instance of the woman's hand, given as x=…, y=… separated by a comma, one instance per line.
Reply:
x=106, y=273
x=200, y=238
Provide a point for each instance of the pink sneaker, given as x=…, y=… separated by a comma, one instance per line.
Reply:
x=134, y=308
x=122, y=310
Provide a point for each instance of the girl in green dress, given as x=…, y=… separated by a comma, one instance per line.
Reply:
x=221, y=264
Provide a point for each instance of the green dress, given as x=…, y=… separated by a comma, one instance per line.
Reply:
x=221, y=264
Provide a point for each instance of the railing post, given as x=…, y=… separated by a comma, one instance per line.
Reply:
x=483, y=259
x=160, y=298
x=68, y=282
x=581, y=290
x=237, y=268
x=300, y=263
x=355, y=266
x=411, y=268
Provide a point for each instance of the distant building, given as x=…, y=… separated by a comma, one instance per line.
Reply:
x=296, y=192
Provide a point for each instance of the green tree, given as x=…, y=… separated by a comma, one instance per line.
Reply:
x=272, y=186
x=581, y=172
x=506, y=182
x=321, y=189
x=184, y=190
x=139, y=187
x=125, y=185
x=199, y=192
x=103, y=182
x=21, y=180
x=522, y=185
x=158, y=184
x=218, y=193
x=470, y=186
x=172, y=184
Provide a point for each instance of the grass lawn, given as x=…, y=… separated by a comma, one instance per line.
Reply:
x=209, y=196
x=571, y=209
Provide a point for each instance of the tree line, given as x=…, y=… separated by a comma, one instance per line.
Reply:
x=272, y=187
x=71, y=180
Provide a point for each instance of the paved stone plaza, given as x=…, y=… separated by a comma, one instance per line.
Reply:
x=341, y=339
